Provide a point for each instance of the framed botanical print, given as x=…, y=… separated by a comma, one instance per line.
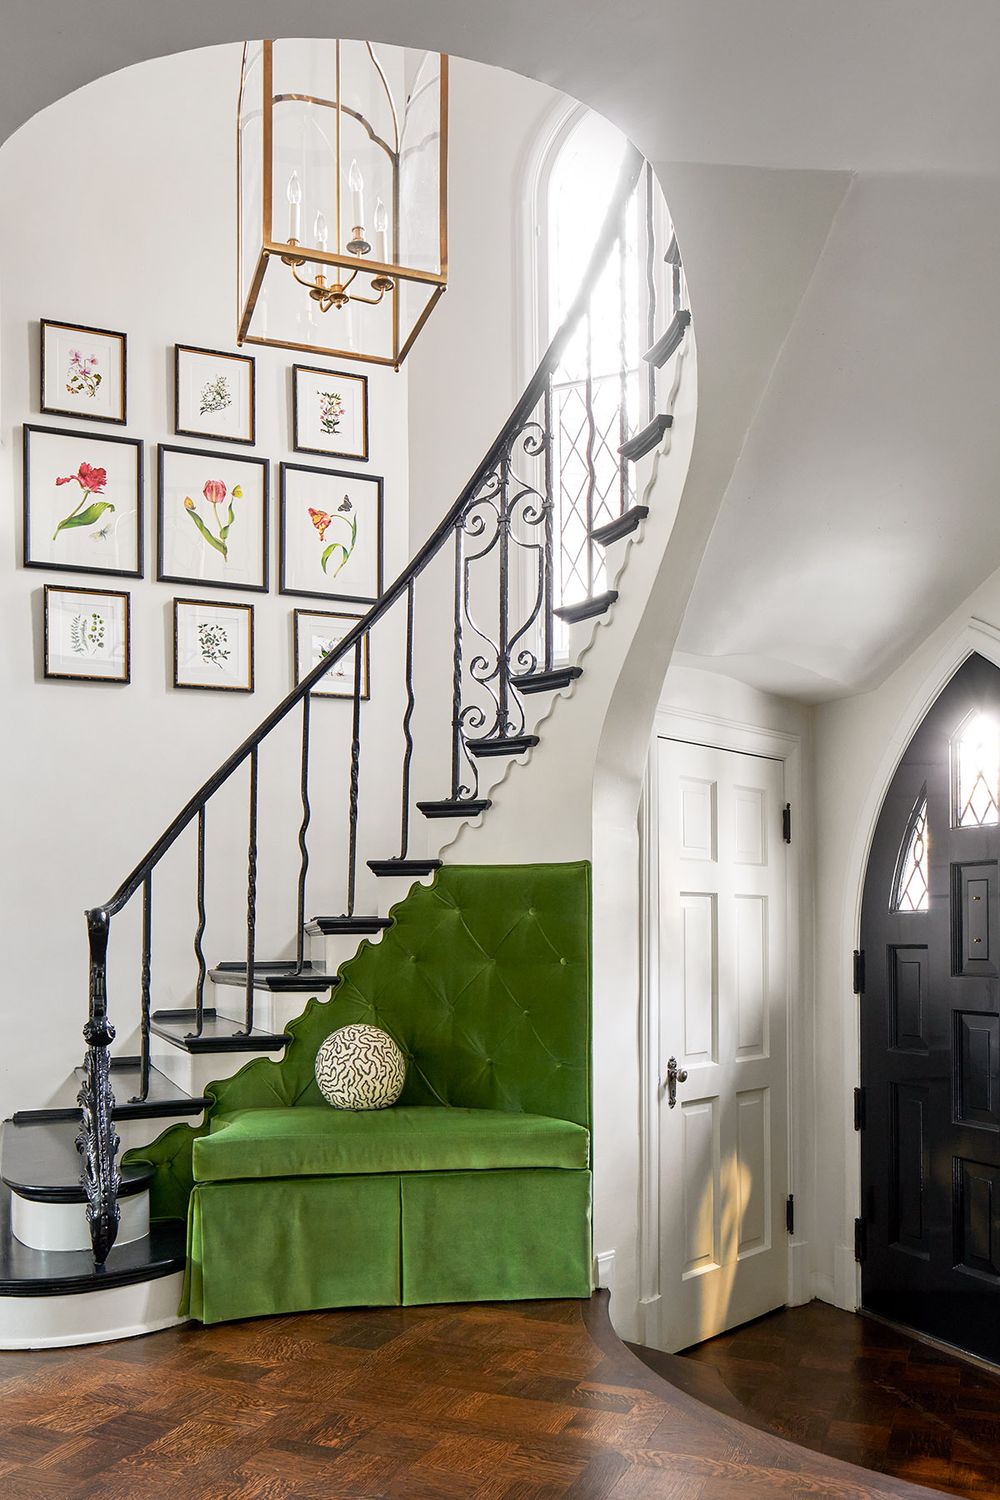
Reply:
x=84, y=372
x=87, y=634
x=330, y=534
x=330, y=413
x=82, y=502
x=316, y=633
x=214, y=394
x=211, y=518
x=213, y=645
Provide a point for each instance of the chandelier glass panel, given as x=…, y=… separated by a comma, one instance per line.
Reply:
x=342, y=165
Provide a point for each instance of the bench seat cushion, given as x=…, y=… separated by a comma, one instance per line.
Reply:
x=310, y=1141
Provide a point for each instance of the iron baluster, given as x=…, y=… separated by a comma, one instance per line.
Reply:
x=352, y=848
x=456, y=668
x=300, y=940
x=504, y=725
x=199, y=952
x=548, y=623
x=404, y=834
x=251, y=890
x=97, y=1140
x=144, y=988
x=650, y=295
x=591, y=437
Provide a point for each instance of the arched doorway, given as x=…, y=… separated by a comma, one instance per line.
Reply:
x=929, y=1105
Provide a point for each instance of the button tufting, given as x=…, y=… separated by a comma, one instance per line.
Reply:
x=564, y=962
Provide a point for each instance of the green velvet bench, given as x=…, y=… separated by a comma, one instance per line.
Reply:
x=476, y=1186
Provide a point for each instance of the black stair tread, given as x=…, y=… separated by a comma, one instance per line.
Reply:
x=510, y=744
x=219, y=1033
x=346, y=926
x=651, y=434
x=40, y=1161
x=404, y=866
x=163, y=1098
x=586, y=609
x=622, y=525
x=669, y=340
x=455, y=807
x=547, y=682
x=277, y=977
x=25, y=1272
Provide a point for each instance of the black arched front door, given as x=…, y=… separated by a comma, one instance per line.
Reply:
x=930, y=1028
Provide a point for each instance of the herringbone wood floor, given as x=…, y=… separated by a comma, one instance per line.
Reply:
x=855, y=1389
x=501, y=1402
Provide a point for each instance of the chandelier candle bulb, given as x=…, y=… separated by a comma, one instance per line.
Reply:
x=357, y=186
x=381, y=225
x=294, y=208
x=320, y=232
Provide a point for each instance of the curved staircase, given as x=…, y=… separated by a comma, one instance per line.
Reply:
x=79, y=1259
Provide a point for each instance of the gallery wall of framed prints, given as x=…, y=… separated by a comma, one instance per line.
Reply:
x=85, y=494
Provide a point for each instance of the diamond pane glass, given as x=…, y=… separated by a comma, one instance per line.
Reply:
x=911, y=887
x=976, y=772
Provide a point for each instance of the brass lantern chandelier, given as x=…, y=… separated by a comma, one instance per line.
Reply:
x=342, y=197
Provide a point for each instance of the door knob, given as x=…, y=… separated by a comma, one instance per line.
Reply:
x=675, y=1075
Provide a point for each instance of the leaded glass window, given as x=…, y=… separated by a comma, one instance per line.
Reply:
x=975, y=774
x=911, y=886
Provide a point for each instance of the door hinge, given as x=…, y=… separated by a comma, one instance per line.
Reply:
x=859, y=971
x=790, y=1213
x=859, y=1109
x=786, y=822
x=860, y=1239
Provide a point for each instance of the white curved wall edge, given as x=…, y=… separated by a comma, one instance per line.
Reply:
x=63, y=1226
x=61, y=1322
x=976, y=636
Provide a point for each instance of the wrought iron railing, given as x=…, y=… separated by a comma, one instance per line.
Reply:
x=507, y=514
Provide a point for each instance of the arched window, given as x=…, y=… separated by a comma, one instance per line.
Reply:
x=911, y=886
x=597, y=395
x=975, y=772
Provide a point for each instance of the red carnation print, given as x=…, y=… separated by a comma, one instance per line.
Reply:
x=88, y=478
x=91, y=481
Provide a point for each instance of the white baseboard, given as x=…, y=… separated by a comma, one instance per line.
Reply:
x=800, y=1276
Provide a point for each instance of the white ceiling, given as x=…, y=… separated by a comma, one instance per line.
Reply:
x=863, y=506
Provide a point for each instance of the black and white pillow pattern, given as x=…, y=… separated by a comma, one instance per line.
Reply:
x=360, y=1067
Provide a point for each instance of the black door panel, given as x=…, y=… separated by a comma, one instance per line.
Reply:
x=930, y=1040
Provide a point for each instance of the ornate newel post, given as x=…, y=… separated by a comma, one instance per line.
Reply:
x=97, y=1141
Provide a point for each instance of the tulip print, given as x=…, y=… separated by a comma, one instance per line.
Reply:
x=92, y=482
x=323, y=521
x=215, y=493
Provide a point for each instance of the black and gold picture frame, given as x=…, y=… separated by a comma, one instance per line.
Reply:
x=87, y=634
x=82, y=502
x=84, y=372
x=330, y=534
x=317, y=632
x=212, y=518
x=215, y=395
x=213, y=645
x=330, y=413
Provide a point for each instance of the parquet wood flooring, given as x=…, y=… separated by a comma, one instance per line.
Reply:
x=519, y=1401
x=849, y=1387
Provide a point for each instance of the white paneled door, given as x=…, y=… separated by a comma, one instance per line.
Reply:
x=723, y=1019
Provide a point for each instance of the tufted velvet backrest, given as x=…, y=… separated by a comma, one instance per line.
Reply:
x=483, y=980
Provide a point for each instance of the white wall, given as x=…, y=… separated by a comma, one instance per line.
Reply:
x=118, y=206
x=859, y=742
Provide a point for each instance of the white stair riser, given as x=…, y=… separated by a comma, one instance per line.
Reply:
x=271, y=1012
x=333, y=950
x=63, y=1226
x=391, y=889
x=133, y=1133
x=194, y=1071
x=90, y=1317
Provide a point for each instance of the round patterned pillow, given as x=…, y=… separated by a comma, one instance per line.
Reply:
x=360, y=1067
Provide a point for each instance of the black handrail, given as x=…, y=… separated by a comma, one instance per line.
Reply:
x=493, y=477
